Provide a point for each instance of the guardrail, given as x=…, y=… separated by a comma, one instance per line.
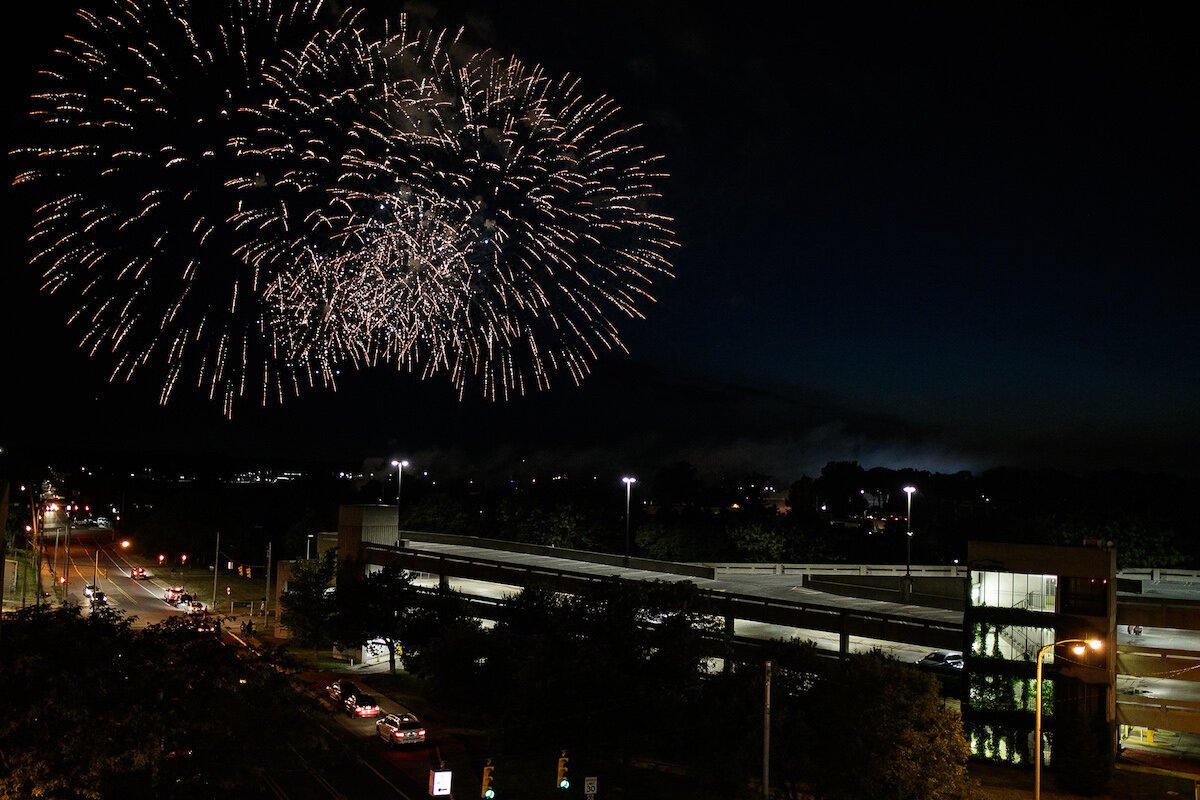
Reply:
x=791, y=613
x=610, y=559
x=1155, y=575
x=733, y=568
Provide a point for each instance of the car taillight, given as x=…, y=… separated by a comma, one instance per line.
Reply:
x=421, y=732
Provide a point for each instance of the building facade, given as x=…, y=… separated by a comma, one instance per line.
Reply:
x=1023, y=598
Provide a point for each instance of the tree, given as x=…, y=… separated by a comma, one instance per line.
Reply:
x=97, y=709
x=307, y=605
x=379, y=606
x=760, y=541
x=877, y=728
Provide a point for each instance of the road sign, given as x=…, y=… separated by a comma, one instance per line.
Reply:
x=589, y=785
x=439, y=783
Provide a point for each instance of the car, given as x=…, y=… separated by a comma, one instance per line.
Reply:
x=138, y=573
x=193, y=607
x=89, y=590
x=339, y=689
x=173, y=594
x=942, y=661
x=98, y=599
x=398, y=729
x=207, y=624
x=361, y=705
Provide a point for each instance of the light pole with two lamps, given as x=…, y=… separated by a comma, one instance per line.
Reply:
x=629, y=482
x=399, y=465
x=1081, y=646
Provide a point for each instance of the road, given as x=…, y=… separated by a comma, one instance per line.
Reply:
x=95, y=557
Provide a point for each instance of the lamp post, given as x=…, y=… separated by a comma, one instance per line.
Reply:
x=307, y=545
x=629, y=482
x=1079, y=649
x=399, y=465
x=908, y=490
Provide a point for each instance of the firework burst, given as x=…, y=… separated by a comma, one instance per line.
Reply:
x=239, y=198
x=565, y=240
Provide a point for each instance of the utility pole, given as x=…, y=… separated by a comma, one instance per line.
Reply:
x=37, y=545
x=66, y=555
x=67, y=566
x=216, y=570
x=267, y=597
x=766, y=776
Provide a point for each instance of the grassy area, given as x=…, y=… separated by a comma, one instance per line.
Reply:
x=198, y=581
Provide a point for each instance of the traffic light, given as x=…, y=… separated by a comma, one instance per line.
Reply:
x=563, y=781
x=486, y=791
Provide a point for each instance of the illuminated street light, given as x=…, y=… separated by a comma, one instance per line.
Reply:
x=908, y=490
x=399, y=465
x=629, y=482
x=1081, y=646
x=307, y=545
x=124, y=544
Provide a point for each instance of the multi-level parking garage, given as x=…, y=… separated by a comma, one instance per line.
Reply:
x=1147, y=683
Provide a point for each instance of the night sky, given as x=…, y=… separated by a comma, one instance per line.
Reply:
x=937, y=236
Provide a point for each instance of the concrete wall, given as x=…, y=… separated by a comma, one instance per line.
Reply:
x=1159, y=612
x=669, y=567
x=948, y=593
x=365, y=524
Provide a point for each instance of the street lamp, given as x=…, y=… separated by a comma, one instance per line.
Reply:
x=307, y=544
x=1081, y=646
x=908, y=490
x=629, y=482
x=399, y=465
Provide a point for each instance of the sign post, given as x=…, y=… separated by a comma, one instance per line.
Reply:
x=589, y=787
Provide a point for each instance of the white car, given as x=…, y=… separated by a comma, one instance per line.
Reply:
x=194, y=607
x=398, y=729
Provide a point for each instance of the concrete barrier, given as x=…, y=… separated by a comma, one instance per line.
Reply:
x=649, y=564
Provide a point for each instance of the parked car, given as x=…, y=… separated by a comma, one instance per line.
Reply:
x=400, y=729
x=173, y=594
x=341, y=689
x=89, y=590
x=193, y=607
x=946, y=661
x=362, y=705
